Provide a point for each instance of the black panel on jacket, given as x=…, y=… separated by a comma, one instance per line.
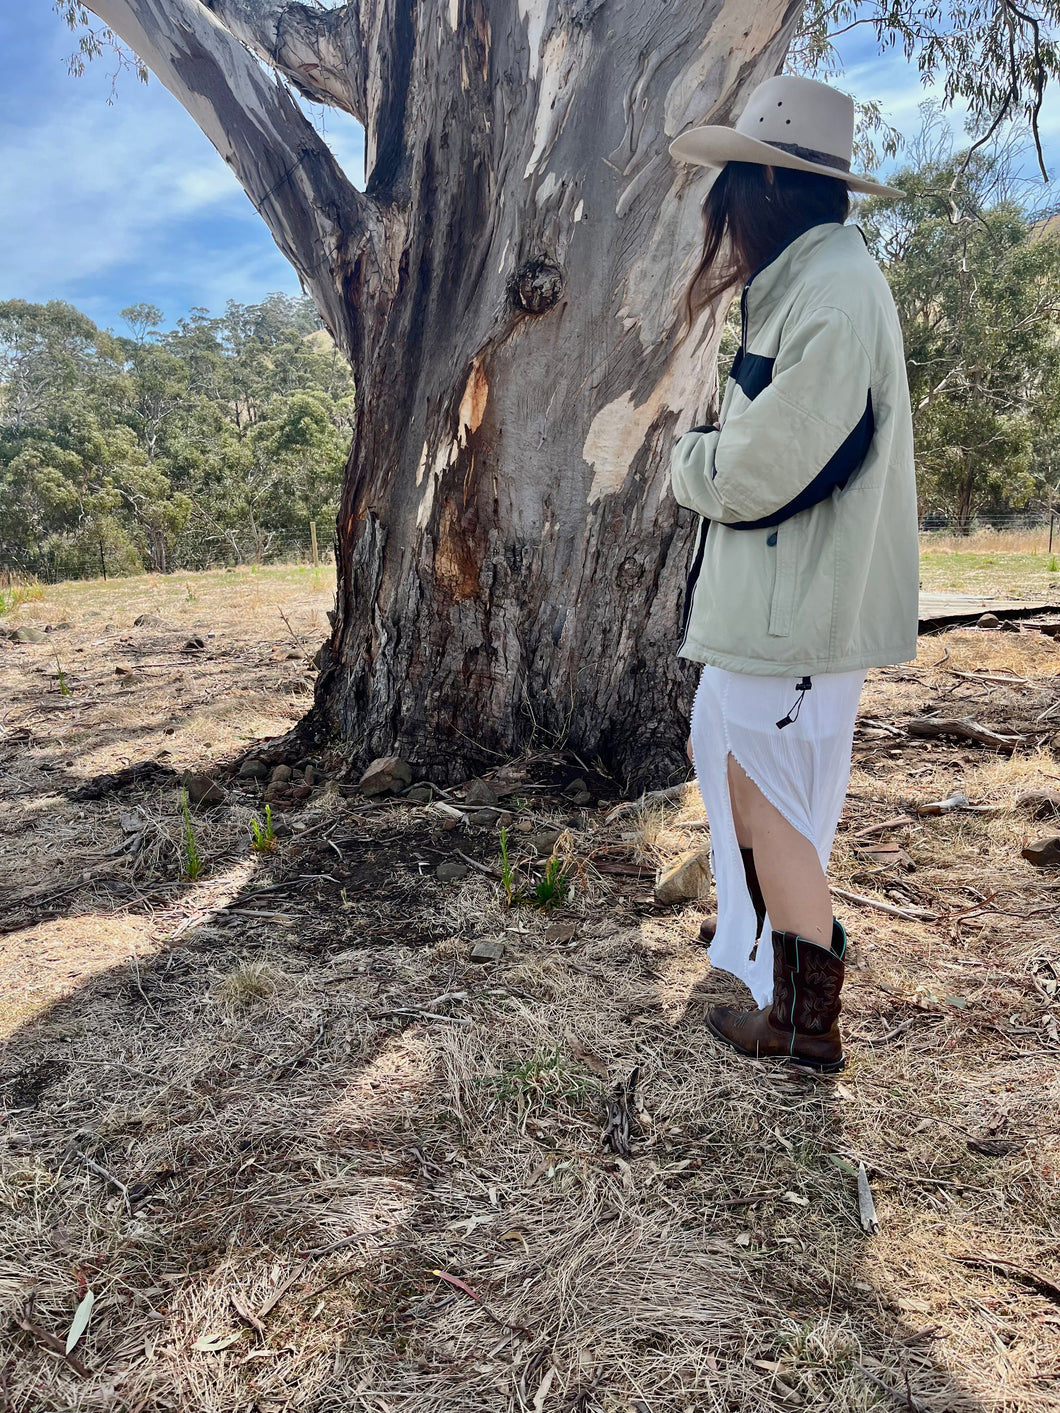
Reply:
x=751, y=373
x=834, y=474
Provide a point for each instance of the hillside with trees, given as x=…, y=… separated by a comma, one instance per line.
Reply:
x=216, y=441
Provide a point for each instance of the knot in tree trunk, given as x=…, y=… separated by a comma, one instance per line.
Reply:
x=537, y=286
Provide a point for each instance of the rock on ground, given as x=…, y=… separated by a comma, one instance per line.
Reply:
x=686, y=880
x=203, y=790
x=1043, y=853
x=385, y=774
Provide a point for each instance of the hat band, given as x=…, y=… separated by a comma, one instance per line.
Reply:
x=808, y=154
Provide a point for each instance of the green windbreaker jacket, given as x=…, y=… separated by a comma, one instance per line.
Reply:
x=806, y=559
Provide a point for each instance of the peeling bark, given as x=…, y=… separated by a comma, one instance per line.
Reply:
x=320, y=52
x=510, y=561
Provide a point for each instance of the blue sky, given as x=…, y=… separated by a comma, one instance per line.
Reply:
x=106, y=206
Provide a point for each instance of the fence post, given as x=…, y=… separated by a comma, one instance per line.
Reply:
x=103, y=561
x=313, y=542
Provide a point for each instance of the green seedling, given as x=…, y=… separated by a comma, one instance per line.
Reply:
x=264, y=839
x=545, y=1083
x=552, y=889
x=64, y=690
x=1054, y=566
x=193, y=863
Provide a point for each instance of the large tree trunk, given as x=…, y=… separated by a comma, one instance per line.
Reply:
x=510, y=563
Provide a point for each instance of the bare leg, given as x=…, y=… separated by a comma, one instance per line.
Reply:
x=792, y=880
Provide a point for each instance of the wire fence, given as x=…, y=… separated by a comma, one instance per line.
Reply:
x=86, y=559
x=1039, y=530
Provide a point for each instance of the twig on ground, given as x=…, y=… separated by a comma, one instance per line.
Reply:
x=108, y=1177
x=474, y=863
x=993, y=677
x=246, y=1314
x=54, y=1344
x=415, y=1011
x=906, y=1399
x=254, y=912
x=895, y=822
x=913, y=914
x=890, y=1035
x=463, y=1286
x=280, y=1291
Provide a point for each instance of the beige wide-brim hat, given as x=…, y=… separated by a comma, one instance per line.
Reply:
x=788, y=122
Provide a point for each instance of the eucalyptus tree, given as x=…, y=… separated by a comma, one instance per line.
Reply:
x=506, y=288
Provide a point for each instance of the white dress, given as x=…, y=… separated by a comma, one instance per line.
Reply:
x=802, y=768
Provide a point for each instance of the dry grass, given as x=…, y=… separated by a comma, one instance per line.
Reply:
x=314, y=1112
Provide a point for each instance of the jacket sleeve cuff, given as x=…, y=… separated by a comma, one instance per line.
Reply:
x=692, y=473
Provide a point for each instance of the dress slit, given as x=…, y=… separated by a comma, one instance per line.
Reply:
x=802, y=769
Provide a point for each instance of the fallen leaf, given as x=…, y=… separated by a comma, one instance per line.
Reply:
x=213, y=1343
x=589, y=1058
x=79, y=1323
x=542, y=1390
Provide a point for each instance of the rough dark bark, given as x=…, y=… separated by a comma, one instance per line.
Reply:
x=510, y=562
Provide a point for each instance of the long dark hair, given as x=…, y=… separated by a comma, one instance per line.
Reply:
x=751, y=213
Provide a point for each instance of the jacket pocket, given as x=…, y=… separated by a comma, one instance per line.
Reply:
x=787, y=547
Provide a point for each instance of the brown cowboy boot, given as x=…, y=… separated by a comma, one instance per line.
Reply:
x=709, y=926
x=802, y=1024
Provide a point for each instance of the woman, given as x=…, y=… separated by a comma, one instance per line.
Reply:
x=805, y=568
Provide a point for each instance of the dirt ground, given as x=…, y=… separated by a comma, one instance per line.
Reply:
x=305, y=1153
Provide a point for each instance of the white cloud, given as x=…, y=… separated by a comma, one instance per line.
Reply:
x=93, y=186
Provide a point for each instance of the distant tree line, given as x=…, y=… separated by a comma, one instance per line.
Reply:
x=220, y=439
x=162, y=449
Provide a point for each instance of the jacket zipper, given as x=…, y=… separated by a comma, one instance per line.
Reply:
x=692, y=581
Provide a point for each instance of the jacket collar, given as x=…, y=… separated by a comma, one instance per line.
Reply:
x=786, y=266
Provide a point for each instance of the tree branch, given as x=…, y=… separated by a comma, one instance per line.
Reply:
x=320, y=52
x=334, y=235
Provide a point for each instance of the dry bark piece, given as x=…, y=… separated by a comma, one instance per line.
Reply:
x=889, y=854
x=685, y=880
x=1043, y=853
x=965, y=729
x=866, y=1205
x=996, y=1147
